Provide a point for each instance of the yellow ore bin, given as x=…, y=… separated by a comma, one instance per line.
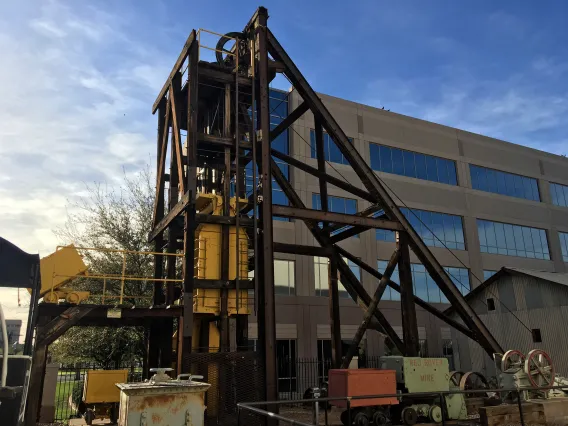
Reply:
x=208, y=259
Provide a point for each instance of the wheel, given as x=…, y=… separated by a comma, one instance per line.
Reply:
x=473, y=381
x=539, y=369
x=409, y=416
x=51, y=297
x=380, y=419
x=113, y=413
x=344, y=417
x=512, y=360
x=73, y=298
x=361, y=419
x=435, y=414
x=89, y=416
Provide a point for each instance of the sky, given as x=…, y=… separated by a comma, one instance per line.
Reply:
x=79, y=78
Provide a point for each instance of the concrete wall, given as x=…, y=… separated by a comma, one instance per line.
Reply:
x=366, y=124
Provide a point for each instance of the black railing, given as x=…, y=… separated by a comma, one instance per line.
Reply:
x=70, y=382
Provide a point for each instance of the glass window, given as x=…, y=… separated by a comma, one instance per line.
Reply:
x=435, y=229
x=321, y=275
x=564, y=245
x=512, y=240
x=286, y=360
x=503, y=183
x=330, y=149
x=488, y=274
x=424, y=286
x=412, y=164
x=284, y=284
x=559, y=194
x=336, y=205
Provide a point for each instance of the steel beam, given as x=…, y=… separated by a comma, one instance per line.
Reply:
x=409, y=322
x=376, y=188
x=348, y=279
x=267, y=310
x=354, y=347
x=361, y=193
x=183, y=54
x=423, y=304
x=347, y=219
x=302, y=250
x=172, y=214
x=189, y=219
x=288, y=120
x=334, y=316
x=320, y=154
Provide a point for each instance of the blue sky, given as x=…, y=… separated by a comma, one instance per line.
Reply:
x=79, y=78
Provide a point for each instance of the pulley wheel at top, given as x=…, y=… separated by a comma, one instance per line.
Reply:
x=229, y=61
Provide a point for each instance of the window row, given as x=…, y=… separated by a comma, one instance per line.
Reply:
x=512, y=240
x=412, y=164
x=503, y=183
x=330, y=150
x=435, y=229
x=424, y=285
x=564, y=245
x=321, y=275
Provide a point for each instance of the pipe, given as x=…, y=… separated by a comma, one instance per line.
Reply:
x=5, y=348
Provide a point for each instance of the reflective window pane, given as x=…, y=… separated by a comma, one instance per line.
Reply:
x=564, y=245
x=330, y=149
x=559, y=194
x=412, y=164
x=512, y=240
x=503, y=183
x=284, y=284
x=488, y=274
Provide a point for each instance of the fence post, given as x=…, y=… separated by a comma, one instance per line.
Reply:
x=443, y=408
x=316, y=406
x=521, y=417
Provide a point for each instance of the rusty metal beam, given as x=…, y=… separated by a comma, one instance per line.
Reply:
x=376, y=188
x=320, y=154
x=334, y=316
x=423, y=304
x=354, y=347
x=189, y=218
x=266, y=305
x=361, y=193
x=348, y=279
x=175, y=95
x=288, y=121
x=302, y=250
x=183, y=54
x=347, y=219
x=409, y=322
x=172, y=214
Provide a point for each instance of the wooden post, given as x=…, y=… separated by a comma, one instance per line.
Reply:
x=409, y=324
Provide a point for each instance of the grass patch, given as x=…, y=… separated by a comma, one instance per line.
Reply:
x=63, y=390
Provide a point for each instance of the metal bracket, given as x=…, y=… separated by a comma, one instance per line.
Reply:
x=188, y=418
x=143, y=419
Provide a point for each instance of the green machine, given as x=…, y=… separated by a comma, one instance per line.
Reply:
x=419, y=375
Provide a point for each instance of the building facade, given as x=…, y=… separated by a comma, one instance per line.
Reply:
x=479, y=204
x=13, y=329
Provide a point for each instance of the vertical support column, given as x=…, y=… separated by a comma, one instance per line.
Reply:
x=336, y=352
x=266, y=317
x=409, y=325
x=189, y=219
x=153, y=331
x=225, y=246
x=37, y=374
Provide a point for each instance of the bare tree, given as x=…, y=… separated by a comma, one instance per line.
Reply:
x=112, y=218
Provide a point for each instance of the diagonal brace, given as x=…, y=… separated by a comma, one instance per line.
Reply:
x=354, y=348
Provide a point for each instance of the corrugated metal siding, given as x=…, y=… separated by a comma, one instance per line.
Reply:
x=512, y=333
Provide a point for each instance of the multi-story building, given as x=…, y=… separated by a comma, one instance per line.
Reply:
x=479, y=204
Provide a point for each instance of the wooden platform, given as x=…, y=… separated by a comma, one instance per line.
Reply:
x=552, y=411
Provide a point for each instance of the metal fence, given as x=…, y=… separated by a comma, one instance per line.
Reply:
x=70, y=382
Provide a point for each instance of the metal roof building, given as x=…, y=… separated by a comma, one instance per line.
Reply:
x=525, y=310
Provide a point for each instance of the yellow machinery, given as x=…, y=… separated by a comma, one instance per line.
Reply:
x=208, y=266
x=58, y=269
x=100, y=394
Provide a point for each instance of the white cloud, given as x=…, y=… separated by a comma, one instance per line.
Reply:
x=67, y=116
